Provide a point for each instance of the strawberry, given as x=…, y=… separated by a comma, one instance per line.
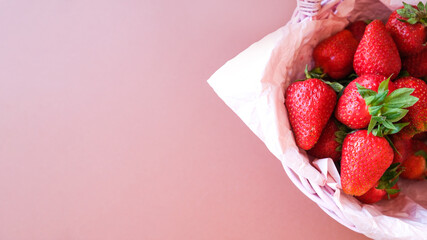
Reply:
x=373, y=195
x=310, y=103
x=357, y=28
x=416, y=65
x=334, y=55
x=369, y=101
x=364, y=160
x=329, y=143
x=377, y=53
x=417, y=115
x=407, y=28
x=351, y=109
x=415, y=166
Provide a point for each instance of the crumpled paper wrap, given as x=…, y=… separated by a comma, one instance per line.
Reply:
x=253, y=84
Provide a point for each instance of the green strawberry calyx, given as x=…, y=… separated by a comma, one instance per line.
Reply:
x=389, y=179
x=413, y=15
x=319, y=74
x=386, y=109
x=314, y=73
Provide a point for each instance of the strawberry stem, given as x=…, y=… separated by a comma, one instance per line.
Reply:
x=392, y=145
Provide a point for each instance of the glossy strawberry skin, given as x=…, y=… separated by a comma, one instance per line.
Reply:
x=357, y=28
x=416, y=65
x=377, y=53
x=351, y=109
x=326, y=145
x=417, y=115
x=409, y=38
x=364, y=160
x=310, y=104
x=372, y=196
x=335, y=54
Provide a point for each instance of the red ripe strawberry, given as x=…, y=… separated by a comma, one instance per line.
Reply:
x=364, y=160
x=334, y=55
x=329, y=143
x=405, y=26
x=352, y=109
x=377, y=53
x=415, y=166
x=357, y=29
x=416, y=65
x=417, y=115
x=403, y=146
x=310, y=103
x=373, y=195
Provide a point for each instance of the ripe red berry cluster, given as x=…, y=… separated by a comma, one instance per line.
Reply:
x=375, y=127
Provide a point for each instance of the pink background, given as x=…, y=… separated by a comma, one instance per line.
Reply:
x=109, y=130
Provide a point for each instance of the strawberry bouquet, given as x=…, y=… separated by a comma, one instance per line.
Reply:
x=350, y=132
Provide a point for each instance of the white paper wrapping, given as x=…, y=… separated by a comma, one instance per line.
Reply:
x=253, y=83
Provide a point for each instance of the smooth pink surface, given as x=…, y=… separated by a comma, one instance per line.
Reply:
x=108, y=129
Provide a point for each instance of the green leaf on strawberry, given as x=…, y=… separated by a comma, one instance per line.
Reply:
x=314, y=73
x=319, y=74
x=386, y=109
x=340, y=135
x=420, y=6
x=413, y=15
x=390, y=178
x=335, y=85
